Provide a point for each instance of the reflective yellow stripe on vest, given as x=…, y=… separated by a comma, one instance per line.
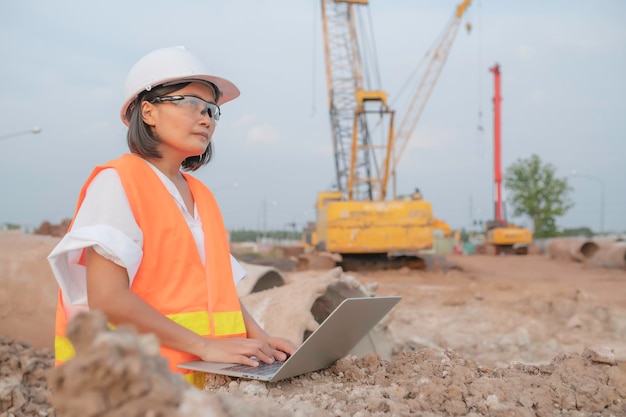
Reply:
x=230, y=322
x=196, y=322
x=225, y=323
x=63, y=349
x=196, y=379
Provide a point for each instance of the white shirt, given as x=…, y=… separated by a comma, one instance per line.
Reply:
x=106, y=222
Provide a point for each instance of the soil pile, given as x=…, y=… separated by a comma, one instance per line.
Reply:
x=114, y=373
x=23, y=386
x=435, y=383
x=500, y=335
x=119, y=373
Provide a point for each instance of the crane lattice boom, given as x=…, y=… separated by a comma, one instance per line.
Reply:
x=362, y=173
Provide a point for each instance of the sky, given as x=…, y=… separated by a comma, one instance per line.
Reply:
x=563, y=65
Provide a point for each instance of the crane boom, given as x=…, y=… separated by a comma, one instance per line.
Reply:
x=343, y=78
x=427, y=83
x=350, y=101
x=502, y=236
x=497, y=150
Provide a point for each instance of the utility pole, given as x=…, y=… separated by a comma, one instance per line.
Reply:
x=471, y=213
x=264, y=208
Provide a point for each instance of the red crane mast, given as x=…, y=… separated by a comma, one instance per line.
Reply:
x=497, y=150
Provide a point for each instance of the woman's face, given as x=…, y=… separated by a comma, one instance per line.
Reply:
x=183, y=126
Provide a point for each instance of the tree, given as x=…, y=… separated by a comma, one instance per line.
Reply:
x=536, y=192
x=578, y=231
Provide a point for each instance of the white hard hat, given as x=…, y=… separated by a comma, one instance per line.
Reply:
x=171, y=64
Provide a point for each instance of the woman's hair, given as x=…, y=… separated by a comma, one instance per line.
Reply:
x=141, y=138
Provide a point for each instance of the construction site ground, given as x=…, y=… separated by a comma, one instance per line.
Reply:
x=479, y=336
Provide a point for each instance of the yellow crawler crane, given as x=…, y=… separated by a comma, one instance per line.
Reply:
x=359, y=219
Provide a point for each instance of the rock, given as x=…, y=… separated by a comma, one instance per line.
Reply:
x=600, y=354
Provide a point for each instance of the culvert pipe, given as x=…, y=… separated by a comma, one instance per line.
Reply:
x=259, y=278
x=611, y=255
x=572, y=249
x=295, y=310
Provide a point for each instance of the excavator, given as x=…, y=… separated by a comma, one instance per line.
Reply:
x=361, y=220
x=502, y=237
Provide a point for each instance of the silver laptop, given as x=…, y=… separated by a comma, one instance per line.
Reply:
x=342, y=330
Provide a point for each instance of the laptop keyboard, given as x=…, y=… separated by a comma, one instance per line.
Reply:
x=262, y=369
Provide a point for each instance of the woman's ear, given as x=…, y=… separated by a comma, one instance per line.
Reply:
x=148, y=113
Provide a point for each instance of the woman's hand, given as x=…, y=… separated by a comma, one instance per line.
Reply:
x=281, y=348
x=240, y=350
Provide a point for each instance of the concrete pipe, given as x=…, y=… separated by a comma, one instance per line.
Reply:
x=296, y=309
x=558, y=249
x=617, y=255
x=582, y=250
x=612, y=254
x=259, y=278
x=579, y=250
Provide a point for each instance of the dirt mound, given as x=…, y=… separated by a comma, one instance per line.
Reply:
x=57, y=230
x=23, y=387
x=119, y=373
x=435, y=383
x=114, y=373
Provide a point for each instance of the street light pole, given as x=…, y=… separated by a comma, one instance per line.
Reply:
x=35, y=129
x=274, y=203
x=575, y=173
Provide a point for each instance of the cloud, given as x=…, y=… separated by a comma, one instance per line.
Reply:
x=525, y=52
x=245, y=120
x=263, y=134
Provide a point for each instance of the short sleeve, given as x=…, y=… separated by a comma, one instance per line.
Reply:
x=104, y=221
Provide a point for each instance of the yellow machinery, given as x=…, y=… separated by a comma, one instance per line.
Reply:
x=509, y=235
x=507, y=238
x=360, y=220
x=373, y=227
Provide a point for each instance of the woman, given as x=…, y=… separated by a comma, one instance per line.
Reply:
x=147, y=244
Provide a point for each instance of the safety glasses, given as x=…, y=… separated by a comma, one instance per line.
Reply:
x=192, y=104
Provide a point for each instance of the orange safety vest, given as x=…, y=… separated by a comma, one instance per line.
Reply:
x=171, y=277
